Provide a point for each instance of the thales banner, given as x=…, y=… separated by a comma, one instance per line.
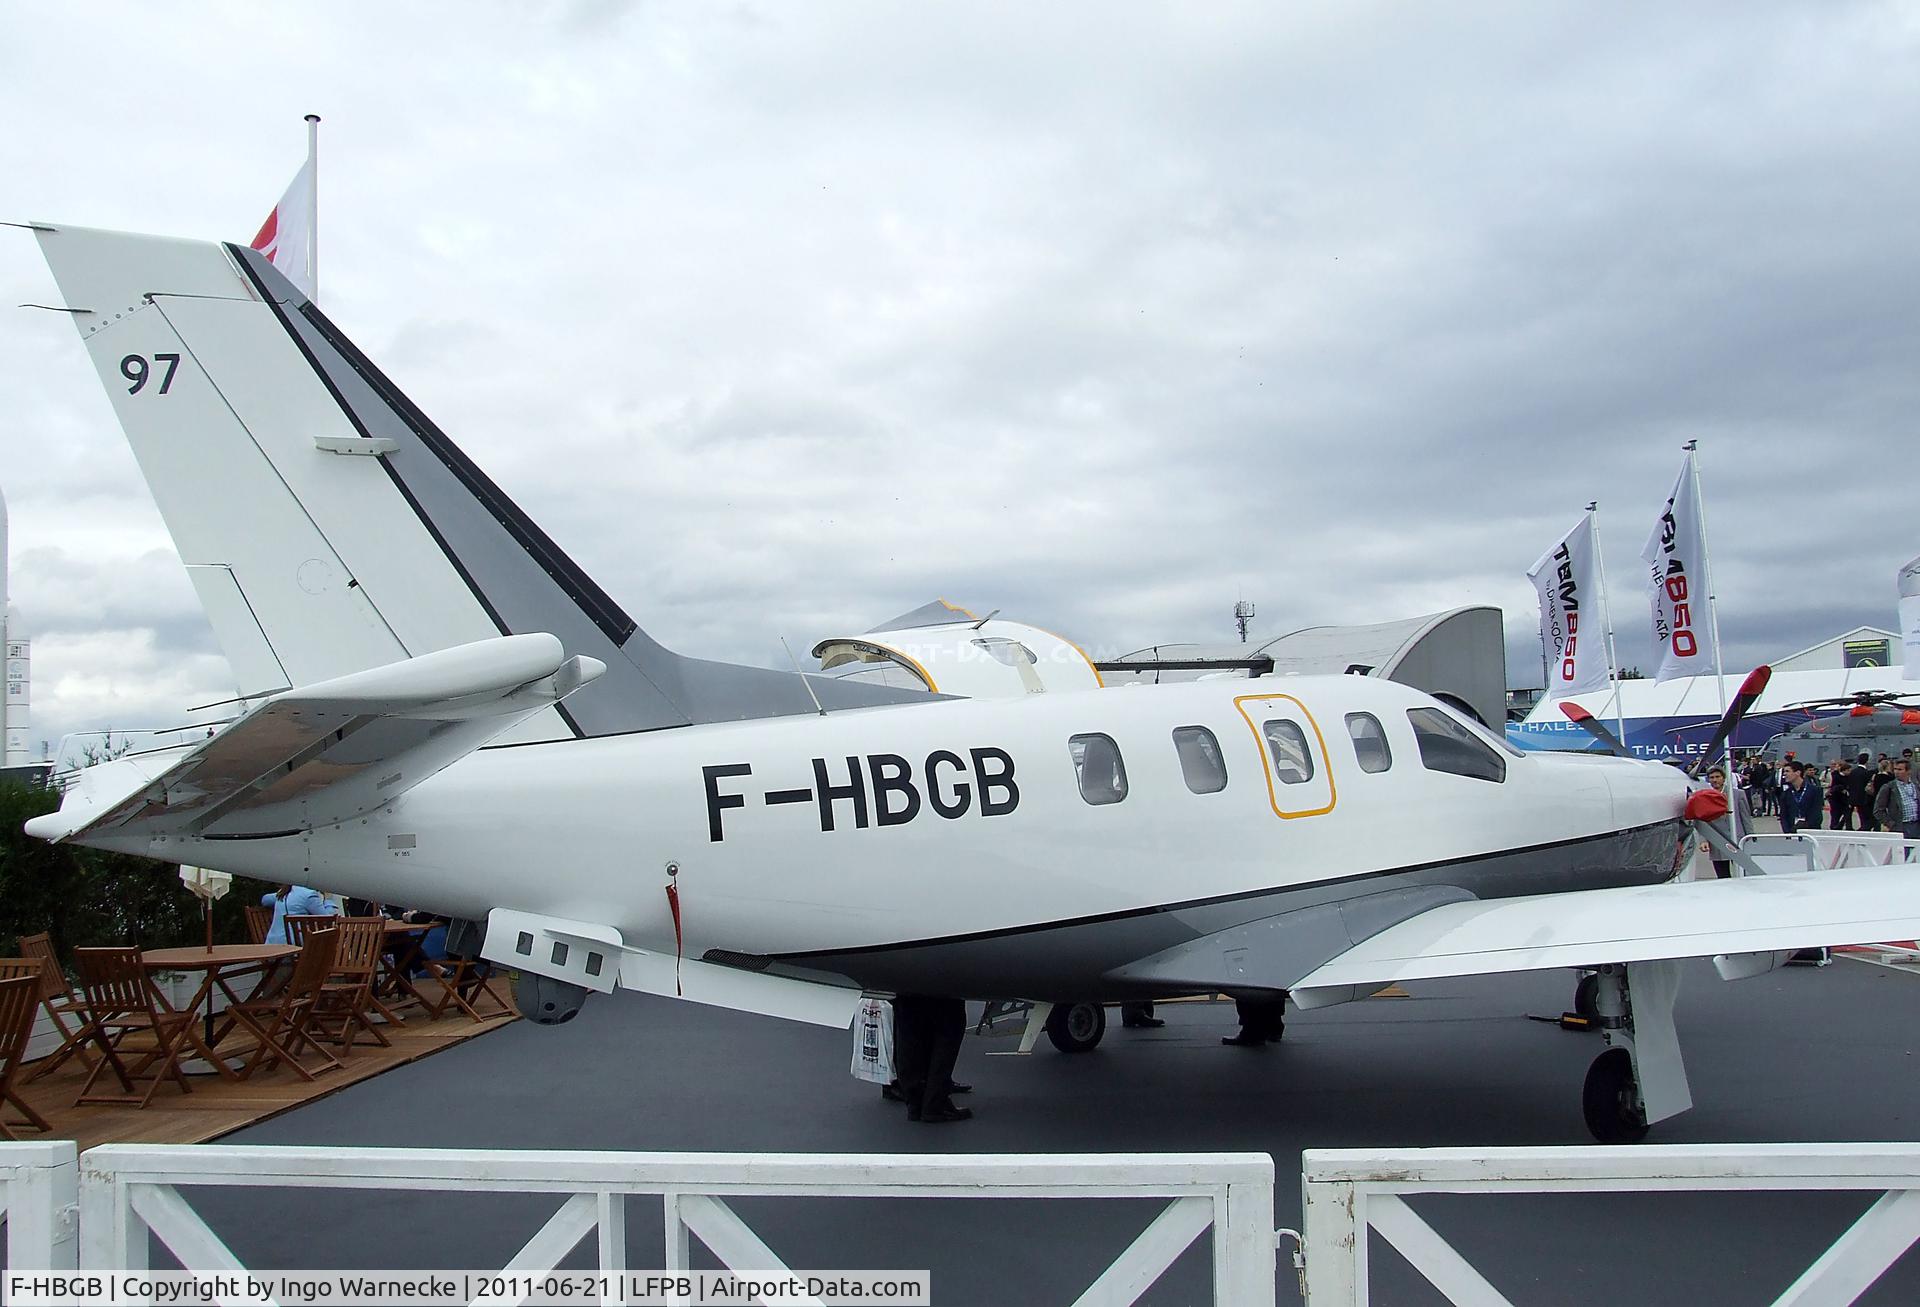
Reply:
x=1676, y=556
x=1567, y=579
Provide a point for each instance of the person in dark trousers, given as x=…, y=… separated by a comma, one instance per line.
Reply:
x=927, y=1031
x=1263, y=1020
x=1860, y=791
x=1800, y=805
x=1139, y=1016
x=1897, y=807
x=1840, y=784
x=1736, y=798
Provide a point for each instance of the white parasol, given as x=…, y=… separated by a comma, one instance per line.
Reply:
x=207, y=885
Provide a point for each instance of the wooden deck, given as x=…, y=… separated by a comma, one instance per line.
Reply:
x=216, y=1106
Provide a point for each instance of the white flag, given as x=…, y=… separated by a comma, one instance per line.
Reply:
x=286, y=237
x=1676, y=558
x=1910, y=619
x=1567, y=579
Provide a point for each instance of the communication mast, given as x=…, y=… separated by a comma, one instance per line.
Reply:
x=1242, y=614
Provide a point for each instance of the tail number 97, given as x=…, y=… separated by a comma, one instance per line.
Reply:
x=134, y=368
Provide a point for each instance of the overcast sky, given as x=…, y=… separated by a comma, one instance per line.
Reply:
x=785, y=318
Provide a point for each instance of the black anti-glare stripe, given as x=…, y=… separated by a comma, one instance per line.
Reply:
x=1124, y=914
x=406, y=493
x=596, y=603
x=347, y=411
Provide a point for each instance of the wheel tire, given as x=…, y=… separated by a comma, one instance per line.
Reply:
x=1076, y=1027
x=1586, y=997
x=1607, y=1100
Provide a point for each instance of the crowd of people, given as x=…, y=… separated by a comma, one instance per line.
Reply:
x=305, y=901
x=1861, y=793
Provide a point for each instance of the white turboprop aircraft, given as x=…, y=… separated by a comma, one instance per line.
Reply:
x=446, y=712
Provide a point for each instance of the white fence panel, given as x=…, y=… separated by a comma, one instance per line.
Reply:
x=1830, y=850
x=39, y=1193
x=128, y=1192
x=1349, y=1192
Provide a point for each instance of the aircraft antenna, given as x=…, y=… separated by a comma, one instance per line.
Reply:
x=803, y=676
x=1242, y=614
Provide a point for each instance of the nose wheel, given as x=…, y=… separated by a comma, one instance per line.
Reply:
x=1638, y=1078
x=1610, y=1100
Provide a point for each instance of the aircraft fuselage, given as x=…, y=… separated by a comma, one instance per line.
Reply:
x=950, y=844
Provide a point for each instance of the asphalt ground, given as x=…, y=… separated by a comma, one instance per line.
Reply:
x=1798, y=1055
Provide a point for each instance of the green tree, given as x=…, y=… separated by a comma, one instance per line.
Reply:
x=87, y=897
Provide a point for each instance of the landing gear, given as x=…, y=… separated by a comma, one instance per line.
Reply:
x=1586, y=996
x=1610, y=1100
x=1076, y=1027
x=1639, y=1079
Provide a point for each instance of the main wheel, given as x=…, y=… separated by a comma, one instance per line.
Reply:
x=1611, y=1101
x=1076, y=1027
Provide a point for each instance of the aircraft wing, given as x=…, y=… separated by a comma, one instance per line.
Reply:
x=324, y=753
x=1751, y=915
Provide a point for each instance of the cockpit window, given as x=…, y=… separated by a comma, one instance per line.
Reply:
x=1292, y=759
x=1096, y=761
x=1369, y=742
x=1200, y=761
x=1448, y=745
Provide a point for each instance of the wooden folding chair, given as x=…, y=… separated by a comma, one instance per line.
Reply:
x=121, y=1005
x=298, y=928
x=259, y=922
x=341, y=1011
x=280, y=1022
x=19, y=1005
x=58, y=998
x=464, y=980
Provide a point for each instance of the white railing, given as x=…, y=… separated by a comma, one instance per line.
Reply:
x=39, y=1190
x=127, y=1191
x=1829, y=850
x=1351, y=1192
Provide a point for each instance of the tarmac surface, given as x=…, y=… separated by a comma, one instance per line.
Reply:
x=1798, y=1055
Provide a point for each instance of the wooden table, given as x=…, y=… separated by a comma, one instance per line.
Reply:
x=219, y=963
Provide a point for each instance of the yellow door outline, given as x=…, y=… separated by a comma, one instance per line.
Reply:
x=1266, y=757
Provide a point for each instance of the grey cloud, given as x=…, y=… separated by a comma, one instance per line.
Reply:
x=782, y=320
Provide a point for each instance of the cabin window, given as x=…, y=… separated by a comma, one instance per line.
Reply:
x=1008, y=653
x=1200, y=761
x=1369, y=742
x=1292, y=759
x=1447, y=745
x=1096, y=762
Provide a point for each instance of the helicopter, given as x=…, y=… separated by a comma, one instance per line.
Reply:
x=1875, y=722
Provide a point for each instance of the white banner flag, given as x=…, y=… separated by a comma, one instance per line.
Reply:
x=1676, y=555
x=1910, y=619
x=286, y=237
x=1567, y=579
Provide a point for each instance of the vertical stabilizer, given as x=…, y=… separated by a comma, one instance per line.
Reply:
x=327, y=524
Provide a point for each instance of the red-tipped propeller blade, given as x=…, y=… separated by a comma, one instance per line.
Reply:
x=1750, y=691
x=1587, y=722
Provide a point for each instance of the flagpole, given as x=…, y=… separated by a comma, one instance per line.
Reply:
x=313, y=204
x=1606, y=619
x=1713, y=613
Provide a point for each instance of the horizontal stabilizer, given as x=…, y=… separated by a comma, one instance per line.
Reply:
x=1678, y=919
x=324, y=753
